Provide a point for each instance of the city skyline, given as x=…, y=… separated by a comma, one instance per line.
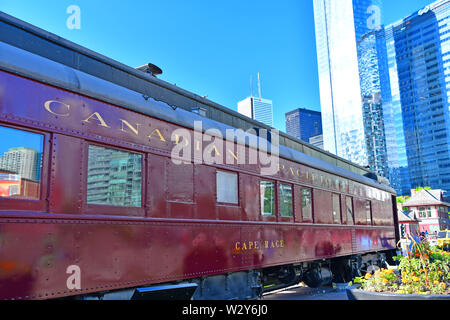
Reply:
x=213, y=54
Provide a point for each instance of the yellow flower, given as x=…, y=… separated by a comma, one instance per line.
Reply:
x=367, y=276
x=385, y=281
x=416, y=279
x=436, y=282
x=405, y=280
x=442, y=284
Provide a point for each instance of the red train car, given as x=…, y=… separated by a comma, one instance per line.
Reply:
x=114, y=212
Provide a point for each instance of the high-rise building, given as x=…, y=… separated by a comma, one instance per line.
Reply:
x=339, y=26
x=22, y=161
x=418, y=51
x=258, y=109
x=317, y=141
x=303, y=123
x=397, y=160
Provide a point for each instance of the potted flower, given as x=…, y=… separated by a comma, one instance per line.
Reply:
x=424, y=273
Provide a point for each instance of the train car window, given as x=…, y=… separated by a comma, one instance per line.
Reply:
x=20, y=164
x=336, y=208
x=227, y=187
x=369, y=212
x=114, y=177
x=349, y=209
x=286, y=200
x=306, y=204
x=267, y=191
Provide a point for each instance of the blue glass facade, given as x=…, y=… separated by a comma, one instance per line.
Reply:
x=303, y=123
x=370, y=64
x=417, y=120
x=339, y=26
x=349, y=82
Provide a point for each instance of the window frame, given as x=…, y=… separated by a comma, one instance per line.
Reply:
x=367, y=221
x=291, y=217
x=352, y=213
x=273, y=216
x=237, y=204
x=311, y=218
x=339, y=213
x=107, y=209
x=32, y=204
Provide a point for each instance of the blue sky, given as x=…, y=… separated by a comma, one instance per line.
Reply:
x=209, y=47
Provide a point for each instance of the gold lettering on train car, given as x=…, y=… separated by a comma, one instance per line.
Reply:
x=159, y=134
x=98, y=117
x=234, y=155
x=258, y=245
x=47, y=106
x=135, y=130
x=213, y=148
x=177, y=140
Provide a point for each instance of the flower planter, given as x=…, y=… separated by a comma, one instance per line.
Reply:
x=353, y=293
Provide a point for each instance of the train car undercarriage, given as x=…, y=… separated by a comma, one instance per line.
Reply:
x=251, y=284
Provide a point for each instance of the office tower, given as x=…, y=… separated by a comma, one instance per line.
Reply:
x=317, y=141
x=257, y=108
x=22, y=161
x=303, y=123
x=372, y=62
x=419, y=68
x=397, y=160
x=339, y=26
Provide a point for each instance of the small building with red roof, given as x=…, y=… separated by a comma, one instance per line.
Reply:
x=430, y=208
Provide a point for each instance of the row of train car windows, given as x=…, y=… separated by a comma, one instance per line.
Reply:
x=115, y=178
x=227, y=192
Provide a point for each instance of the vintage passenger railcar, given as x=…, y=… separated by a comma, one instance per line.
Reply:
x=93, y=203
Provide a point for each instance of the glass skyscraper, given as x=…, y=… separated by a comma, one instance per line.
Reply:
x=418, y=120
x=401, y=123
x=303, y=123
x=340, y=26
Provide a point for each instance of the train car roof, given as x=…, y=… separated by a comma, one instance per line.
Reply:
x=18, y=57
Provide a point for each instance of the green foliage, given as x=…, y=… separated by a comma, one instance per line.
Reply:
x=420, y=188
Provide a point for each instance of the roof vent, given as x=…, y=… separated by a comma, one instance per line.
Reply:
x=151, y=69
